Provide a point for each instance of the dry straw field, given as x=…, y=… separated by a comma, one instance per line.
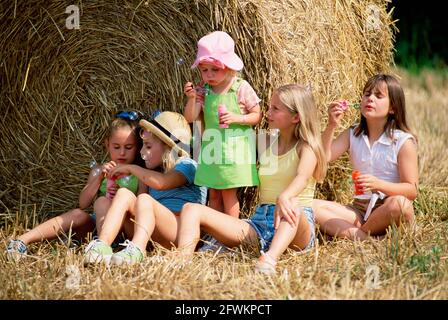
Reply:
x=60, y=87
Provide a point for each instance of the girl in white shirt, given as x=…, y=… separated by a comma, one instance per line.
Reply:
x=384, y=151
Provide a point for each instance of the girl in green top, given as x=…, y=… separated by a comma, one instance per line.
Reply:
x=227, y=158
x=122, y=143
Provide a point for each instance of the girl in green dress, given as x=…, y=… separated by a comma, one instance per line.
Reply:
x=227, y=159
x=122, y=143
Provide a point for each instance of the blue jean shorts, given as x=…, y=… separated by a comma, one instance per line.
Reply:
x=263, y=223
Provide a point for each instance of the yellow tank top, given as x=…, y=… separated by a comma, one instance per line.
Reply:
x=277, y=172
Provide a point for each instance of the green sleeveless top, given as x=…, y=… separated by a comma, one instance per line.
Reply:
x=128, y=182
x=228, y=155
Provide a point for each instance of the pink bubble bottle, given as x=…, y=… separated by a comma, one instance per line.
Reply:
x=222, y=110
x=110, y=184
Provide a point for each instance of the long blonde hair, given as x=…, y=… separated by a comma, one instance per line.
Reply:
x=299, y=100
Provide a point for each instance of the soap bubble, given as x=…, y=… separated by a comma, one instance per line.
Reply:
x=202, y=90
x=145, y=154
x=95, y=168
x=180, y=61
x=126, y=179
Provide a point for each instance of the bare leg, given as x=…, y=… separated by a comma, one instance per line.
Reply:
x=395, y=210
x=153, y=220
x=338, y=220
x=76, y=219
x=228, y=230
x=101, y=206
x=215, y=200
x=122, y=205
x=230, y=201
x=295, y=237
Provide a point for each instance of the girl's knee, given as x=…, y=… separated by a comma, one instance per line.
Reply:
x=190, y=209
x=78, y=214
x=143, y=196
x=144, y=199
x=101, y=201
x=124, y=192
x=400, y=207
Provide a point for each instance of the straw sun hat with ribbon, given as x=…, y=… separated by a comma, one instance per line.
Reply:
x=172, y=129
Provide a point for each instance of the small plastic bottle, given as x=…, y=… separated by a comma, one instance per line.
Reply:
x=222, y=110
x=355, y=176
x=111, y=182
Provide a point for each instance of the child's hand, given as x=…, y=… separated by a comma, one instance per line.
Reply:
x=189, y=90
x=336, y=112
x=285, y=210
x=107, y=167
x=229, y=118
x=367, y=183
x=120, y=170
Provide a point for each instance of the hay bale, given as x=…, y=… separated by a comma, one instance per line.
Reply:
x=60, y=87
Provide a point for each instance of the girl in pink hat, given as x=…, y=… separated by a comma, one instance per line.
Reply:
x=229, y=108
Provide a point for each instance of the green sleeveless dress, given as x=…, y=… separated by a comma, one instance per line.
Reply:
x=228, y=155
x=129, y=182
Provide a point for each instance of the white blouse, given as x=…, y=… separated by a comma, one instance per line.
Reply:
x=380, y=159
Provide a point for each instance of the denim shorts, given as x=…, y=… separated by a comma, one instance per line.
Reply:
x=263, y=223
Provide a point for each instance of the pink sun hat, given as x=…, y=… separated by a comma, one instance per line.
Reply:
x=218, y=48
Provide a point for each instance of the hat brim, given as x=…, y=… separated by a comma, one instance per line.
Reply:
x=162, y=136
x=231, y=61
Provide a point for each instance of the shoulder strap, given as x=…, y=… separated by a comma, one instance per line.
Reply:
x=236, y=84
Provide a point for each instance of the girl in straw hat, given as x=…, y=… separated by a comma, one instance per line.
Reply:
x=229, y=107
x=288, y=172
x=382, y=148
x=169, y=175
x=122, y=143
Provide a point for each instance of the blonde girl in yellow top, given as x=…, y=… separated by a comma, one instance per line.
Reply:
x=288, y=172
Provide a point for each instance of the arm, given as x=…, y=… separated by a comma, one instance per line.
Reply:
x=252, y=118
x=307, y=165
x=89, y=191
x=407, y=169
x=153, y=179
x=191, y=110
x=335, y=148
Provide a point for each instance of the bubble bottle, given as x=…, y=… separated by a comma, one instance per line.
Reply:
x=111, y=182
x=222, y=109
x=355, y=176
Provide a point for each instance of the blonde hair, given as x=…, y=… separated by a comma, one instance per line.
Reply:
x=299, y=100
x=170, y=157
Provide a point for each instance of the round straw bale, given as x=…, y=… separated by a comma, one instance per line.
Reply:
x=60, y=86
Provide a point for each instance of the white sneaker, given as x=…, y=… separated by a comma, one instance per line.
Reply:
x=213, y=245
x=98, y=251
